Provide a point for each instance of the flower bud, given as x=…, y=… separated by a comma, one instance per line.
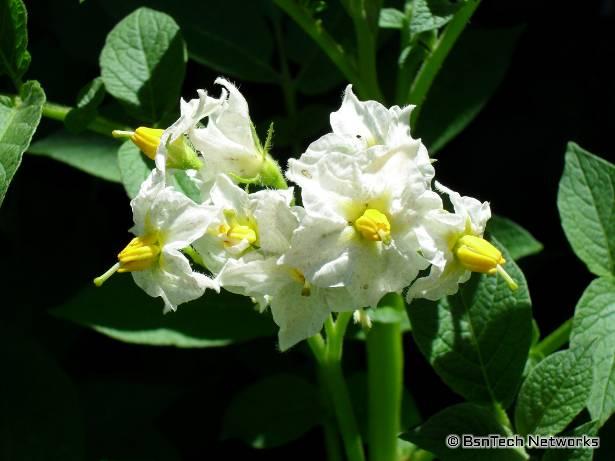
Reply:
x=179, y=153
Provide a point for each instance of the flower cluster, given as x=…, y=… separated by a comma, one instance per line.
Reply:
x=369, y=223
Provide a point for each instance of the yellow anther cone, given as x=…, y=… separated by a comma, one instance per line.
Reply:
x=374, y=225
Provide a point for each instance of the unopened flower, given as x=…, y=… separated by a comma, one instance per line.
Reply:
x=459, y=249
x=165, y=222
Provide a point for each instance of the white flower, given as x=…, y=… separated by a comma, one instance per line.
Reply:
x=363, y=212
x=165, y=222
x=240, y=222
x=229, y=143
x=357, y=126
x=445, y=229
x=298, y=308
x=192, y=112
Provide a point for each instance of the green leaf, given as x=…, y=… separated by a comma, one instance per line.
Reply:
x=143, y=63
x=230, y=36
x=41, y=414
x=470, y=75
x=465, y=418
x=93, y=153
x=391, y=18
x=14, y=56
x=273, y=412
x=119, y=309
x=586, y=202
x=554, y=393
x=425, y=19
x=19, y=118
x=185, y=184
x=594, y=322
x=577, y=454
x=478, y=340
x=134, y=167
x=89, y=99
x=519, y=242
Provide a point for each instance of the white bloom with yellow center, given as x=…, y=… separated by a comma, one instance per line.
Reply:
x=360, y=125
x=363, y=214
x=240, y=222
x=459, y=248
x=298, y=307
x=229, y=143
x=165, y=222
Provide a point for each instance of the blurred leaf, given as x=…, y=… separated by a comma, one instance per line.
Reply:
x=230, y=36
x=93, y=153
x=391, y=18
x=464, y=418
x=19, y=118
x=586, y=202
x=519, y=242
x=143, y=63
x=185, y=184
x=273, y=411
x=594, y=322
x=122, y=420
x=119, y=309
x=41, y=419
x=134, y=167
x=478, y=340
x=14, y=56
x=554, y=393
x=426, y=18
x=470, y=75
x=577, y=454
x=88, y=100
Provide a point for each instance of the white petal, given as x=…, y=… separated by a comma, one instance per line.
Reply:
x=228, y=196
x=142, y=203
x=298, y=316
x=275, y=218
x=173, y=280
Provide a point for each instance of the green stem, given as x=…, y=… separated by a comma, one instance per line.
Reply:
x=366, y=44
x=555, y=340
x=326, y=42
x=385, y=382
x=329, y=359
x=432, y=64
x=99, y=125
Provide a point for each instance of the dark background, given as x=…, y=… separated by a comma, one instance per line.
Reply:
x=60, y=227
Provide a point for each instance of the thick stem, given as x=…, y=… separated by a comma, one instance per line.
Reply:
x=431, y=66
x=385, y=382
x=555, y=340
x=315, y=30
x=366, y=45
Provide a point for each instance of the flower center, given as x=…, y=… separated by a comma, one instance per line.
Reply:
x=298, y=277
x=478, y=255
x=235, y=230
x=140, y=254
x=374, y=225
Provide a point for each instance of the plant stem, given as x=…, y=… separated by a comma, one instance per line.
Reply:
x=431, y=66
x=326, y=42
x=555, y=340
x=99, y=125
x=366, y=45
x=329, y=358
x=385, y=382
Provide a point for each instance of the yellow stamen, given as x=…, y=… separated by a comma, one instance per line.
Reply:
x=235, y=231
x=140, y=254
x=478, y=255
x=298, y=277
x=374, y=225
